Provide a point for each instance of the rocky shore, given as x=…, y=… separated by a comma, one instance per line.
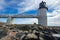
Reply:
x=26, y=32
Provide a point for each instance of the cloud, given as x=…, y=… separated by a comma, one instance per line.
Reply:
x=6, y=6
x=27, y=5
x=2, y=4
x=34, y=4
x=54, y=18
x=3, y=19
x=25, y=21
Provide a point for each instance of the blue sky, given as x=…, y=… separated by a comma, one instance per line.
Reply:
x=30, y=7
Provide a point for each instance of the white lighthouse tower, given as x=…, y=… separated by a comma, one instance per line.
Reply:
x=42, y=14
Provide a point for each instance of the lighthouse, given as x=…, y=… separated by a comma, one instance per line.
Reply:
x=42, y=14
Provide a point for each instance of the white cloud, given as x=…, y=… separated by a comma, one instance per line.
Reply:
x=3, y=19
x=53, y=17
x=34, y=4
x=2, y=4
x=26, y=21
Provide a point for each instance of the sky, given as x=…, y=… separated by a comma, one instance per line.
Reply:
x=13, y=7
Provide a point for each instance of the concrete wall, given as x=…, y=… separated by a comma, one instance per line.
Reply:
x=9, y=20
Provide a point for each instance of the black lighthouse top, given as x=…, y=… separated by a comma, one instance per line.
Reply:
x=42, y=5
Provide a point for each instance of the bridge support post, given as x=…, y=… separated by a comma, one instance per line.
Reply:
x=9, y=21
